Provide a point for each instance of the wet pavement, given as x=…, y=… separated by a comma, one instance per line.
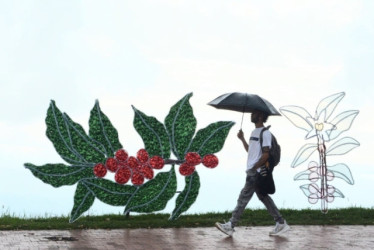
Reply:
x=300, y=237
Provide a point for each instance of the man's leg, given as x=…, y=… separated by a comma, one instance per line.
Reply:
x=270, y=206
x=281, y=225
x=244, y=197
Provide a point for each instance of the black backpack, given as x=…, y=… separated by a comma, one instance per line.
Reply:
x=266, y=182
x=275, y=150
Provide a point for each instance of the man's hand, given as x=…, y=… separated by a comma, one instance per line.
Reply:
x=241, y=135
x=263, y=171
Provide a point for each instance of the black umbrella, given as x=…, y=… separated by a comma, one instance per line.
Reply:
x=243, y=102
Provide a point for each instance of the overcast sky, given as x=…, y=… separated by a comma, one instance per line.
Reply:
x=151, y=53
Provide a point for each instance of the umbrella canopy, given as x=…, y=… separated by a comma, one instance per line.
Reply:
x=243, y=102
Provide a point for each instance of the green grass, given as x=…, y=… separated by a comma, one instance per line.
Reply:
x=258, y=217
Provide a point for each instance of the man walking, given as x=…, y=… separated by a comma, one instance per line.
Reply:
x=257, y=158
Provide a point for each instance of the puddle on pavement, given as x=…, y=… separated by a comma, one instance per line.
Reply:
x=60, y=238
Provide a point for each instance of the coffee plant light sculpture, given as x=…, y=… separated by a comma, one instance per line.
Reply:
x=102, y=168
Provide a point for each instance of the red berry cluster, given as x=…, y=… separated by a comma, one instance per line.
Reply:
x=141, y=167
x=126, y=168
x=192, y=159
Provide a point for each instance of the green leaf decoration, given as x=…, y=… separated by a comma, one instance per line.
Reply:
x=297, y=116
x=342, y=146
x=153, y=134
x=211, y=139
x=58, y=133
x=102, y=130
x=329, y=104
x=338, y=193
x=70, y=139
x=181, y=125
x=155, y=194
x=110, y=192
x=310, y=189
x=83, y=200
x=303, y=154
x=304, y=175
x=59, y=175
x=306, y=190
x=343, y=122
x=343, y=172
x=91, y=150
x=188, y=196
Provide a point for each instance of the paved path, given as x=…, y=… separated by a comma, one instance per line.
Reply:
x=300, y=237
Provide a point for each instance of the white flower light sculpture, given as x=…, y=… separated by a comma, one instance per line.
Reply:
x=325, y=130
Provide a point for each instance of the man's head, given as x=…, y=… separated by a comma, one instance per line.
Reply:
x=259, y=116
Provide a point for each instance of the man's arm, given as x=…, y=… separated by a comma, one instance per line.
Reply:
x=264, y=157
x=241, y=137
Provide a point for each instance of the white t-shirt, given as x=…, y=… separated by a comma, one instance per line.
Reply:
x=254, y=147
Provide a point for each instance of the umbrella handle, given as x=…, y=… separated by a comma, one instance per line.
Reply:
x=241, y=124
x=245, y=104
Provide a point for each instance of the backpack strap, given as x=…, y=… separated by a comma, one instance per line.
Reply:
x=262, y=131
x=269, y=168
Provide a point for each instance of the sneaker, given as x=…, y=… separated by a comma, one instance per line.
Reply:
x=279, y=229
x=225, y=228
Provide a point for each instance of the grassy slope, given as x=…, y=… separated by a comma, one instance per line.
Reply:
x=348, y=216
